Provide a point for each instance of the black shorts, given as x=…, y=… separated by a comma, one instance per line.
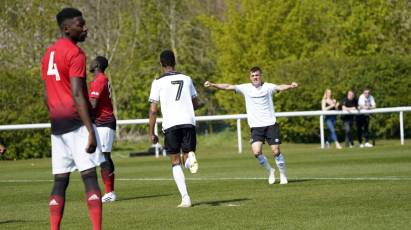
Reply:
x=177, y=139
x=270, y=133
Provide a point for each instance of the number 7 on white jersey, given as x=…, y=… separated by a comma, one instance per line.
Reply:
x=52, y=67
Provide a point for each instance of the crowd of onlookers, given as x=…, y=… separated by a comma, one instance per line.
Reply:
x=350, y=103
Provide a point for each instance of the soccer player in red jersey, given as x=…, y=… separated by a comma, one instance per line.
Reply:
x=74, y=140
x=100, y=98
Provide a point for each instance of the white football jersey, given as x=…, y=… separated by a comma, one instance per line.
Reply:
x=258, y=103
x=175, y=92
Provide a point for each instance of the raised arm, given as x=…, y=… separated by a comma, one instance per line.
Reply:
x=287, y=87
x=208, y=84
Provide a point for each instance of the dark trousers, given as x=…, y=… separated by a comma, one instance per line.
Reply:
x=348, y=129
x=362, y=127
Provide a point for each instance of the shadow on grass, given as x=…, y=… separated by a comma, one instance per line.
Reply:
x=219, y=202
x=14, y=221
x=299, y=180
x=143, y=197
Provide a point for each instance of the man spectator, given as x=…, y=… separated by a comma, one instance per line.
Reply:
x=365, y=102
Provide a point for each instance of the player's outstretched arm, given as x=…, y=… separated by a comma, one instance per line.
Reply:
x=81, y=104
x=287, y=87
x=222, y=86
x=152, y=117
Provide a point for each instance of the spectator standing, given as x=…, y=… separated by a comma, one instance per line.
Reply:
x=349, y=104
x=365, y=102
x=329, y=103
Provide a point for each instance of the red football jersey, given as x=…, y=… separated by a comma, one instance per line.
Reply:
x=100, y=90
x=63, y=60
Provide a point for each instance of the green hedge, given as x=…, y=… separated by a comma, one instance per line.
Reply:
x=22, y=103
x=388, y=77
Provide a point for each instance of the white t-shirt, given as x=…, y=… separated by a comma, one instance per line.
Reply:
x=363, y=101
x=175, y=92
x=259, y=103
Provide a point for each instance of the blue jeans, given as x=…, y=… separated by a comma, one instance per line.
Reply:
x=330, y=121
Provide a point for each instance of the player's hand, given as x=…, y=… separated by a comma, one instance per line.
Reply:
x=154, y=139
x=207, y=84
x=294, y=85
x=91, y=143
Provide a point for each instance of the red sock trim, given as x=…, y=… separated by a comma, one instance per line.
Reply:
x=56, y=207
x=108, y=180
x=94, y=208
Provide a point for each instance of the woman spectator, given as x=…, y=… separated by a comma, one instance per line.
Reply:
x=329, y=103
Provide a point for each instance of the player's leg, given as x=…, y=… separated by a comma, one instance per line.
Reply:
x=62, y=165
x=107, y=174
x=172, y=144
x=57, y=199
x=93, y=196
x=86, y=164
x=274, y=140
x=257, y=139
x=188, y=146
x=106, y=136
x=280, y=162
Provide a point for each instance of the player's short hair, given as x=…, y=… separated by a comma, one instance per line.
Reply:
x=255, y=69
x=102, y=62
x=67, y=13
x=167, y=58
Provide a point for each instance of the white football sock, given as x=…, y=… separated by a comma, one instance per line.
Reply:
x=180, y=180
x=263, y=162
x=279, y=160
x=187, y=164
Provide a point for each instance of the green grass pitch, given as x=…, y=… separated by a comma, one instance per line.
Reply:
x=329, y=189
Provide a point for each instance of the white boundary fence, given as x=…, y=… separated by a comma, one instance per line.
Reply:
x=238, y=117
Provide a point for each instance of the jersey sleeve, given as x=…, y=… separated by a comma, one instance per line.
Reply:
x=272, y=88
x=239, y=88
x=77, y=64
x=96, y=88
x=193, y=91
x=154, y=92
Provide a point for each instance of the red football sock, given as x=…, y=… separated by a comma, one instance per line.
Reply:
x=94, y=208
x=108, y=180
x=56, y=206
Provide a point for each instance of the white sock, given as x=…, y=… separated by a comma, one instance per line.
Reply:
x=279, y=160
x=180, y=180
x=187, y=164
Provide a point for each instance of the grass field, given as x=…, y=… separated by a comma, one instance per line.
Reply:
x=329, y=189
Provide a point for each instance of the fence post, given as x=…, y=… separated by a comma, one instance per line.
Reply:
x=402, y=127
x=239, y=139
x=322, y=130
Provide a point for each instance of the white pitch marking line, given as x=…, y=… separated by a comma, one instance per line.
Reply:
x=232, y=178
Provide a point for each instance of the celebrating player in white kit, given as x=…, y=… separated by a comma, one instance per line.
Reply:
x=261, y=118
x=178, y=98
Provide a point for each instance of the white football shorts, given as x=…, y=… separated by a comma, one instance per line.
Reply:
x=68, y=152
x=106, y=135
